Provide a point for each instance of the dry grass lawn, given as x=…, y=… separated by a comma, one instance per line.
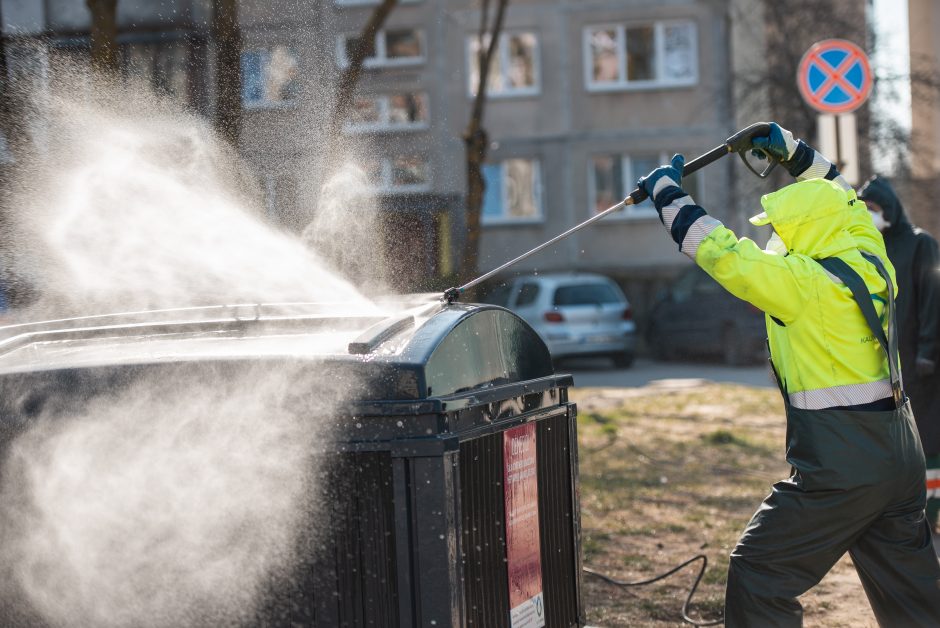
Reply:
x=671, y=471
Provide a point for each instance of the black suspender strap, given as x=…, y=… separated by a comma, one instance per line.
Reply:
x=860, y=292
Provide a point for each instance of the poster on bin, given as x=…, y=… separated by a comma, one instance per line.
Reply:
x=523, y=545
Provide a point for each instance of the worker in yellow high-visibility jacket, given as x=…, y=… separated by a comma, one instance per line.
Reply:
x=827, y=288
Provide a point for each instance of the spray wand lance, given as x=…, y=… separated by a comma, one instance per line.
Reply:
x=739, y=143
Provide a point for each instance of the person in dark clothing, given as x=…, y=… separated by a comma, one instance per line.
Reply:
x=916, y=258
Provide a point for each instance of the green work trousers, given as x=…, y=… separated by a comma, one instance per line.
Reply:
x=857, y=486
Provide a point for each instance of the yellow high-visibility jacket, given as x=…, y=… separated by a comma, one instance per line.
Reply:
x=822, y=349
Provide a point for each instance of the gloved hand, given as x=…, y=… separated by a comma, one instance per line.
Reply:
x=779, y=144
x=794, y=155
x=670, y=177
x=677, y=211
x=924, y=367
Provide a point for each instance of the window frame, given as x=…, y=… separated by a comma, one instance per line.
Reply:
x=503, y=62
x=384, y=125
x=659, y=42
x=630, y=212
x=503, y=220
x=266, y=104
x=381, y=60
x=388, y=187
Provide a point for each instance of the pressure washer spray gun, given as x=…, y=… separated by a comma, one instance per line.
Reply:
x=739, y=143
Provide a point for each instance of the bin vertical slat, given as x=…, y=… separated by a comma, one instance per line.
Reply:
x=557, y=522
x=404, y=547
x=439, y=601
x=483, y=543
x=356, y=583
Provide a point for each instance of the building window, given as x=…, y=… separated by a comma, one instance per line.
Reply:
x=404, y=111
x=280, y=197
x=627, y=56
x=513, y=192
x=612, y=176
x=393, y=47
x=403, y=173
x=514, y=68
x=165, y=65
x=269, y=77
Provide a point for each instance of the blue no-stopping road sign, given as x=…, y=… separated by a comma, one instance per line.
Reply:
x=834, y=76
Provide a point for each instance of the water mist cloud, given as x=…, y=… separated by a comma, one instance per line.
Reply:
x=171, y=503
x=135, y=204
x=175, y=500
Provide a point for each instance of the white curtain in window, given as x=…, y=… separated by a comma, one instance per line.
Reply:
x=522, y=188
x=605, y=60
x=678, y=53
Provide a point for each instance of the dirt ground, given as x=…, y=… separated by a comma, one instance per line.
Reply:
x=673, y=470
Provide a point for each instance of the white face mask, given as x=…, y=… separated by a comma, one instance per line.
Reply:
x=878, y=218
x=775, y=245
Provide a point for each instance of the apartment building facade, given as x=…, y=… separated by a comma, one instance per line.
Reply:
x=583, y=98
x=921, y=193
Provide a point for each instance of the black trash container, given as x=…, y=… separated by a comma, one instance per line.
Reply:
x=451, y=479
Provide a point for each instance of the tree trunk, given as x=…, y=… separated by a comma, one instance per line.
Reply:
x=6, y=112
x=476, y=140
x=10, y=129
x=228, y=84
x=346, y=86
x=476, y=186
x=104, y=47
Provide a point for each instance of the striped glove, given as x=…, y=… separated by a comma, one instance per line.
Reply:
x=798, y=157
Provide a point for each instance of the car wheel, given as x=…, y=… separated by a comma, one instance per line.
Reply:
x=623, y=360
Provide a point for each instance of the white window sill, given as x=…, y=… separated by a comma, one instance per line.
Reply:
x=639, y=86
x=634, y=216
x=511, y=222
x=401, y=189
x=269, y=105
x=509, y=94
x=367, y=3
x=382, y=64
x=359, y=129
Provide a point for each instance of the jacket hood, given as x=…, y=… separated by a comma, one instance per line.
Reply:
x=879, y=190
x=818, y=218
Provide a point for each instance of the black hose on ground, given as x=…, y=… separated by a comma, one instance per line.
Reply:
x=688, y=600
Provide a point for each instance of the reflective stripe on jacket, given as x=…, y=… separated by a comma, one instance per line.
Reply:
x=822, y=348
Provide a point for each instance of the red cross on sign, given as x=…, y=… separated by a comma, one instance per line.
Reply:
x=834, y=76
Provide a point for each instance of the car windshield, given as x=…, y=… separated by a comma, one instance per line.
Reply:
x=587, y=294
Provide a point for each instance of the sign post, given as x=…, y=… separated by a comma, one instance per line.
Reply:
x=835, y=79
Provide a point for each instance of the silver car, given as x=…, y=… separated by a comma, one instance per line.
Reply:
x=576, y=314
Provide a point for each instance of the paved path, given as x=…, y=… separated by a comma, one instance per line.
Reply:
x=599, y=374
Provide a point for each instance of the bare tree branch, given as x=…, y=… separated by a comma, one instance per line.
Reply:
x=104, y=49
x=364, y=48
x=476, y=140
x=226, y=32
